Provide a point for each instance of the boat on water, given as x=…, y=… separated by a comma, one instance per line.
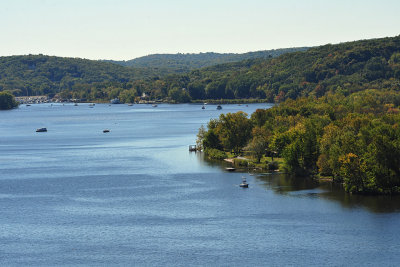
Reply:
x=106, y=131
x=41, y=130
x=154, y=105
x=203, y=107
x=219, y=107
x=244, y=183
x=75, y=104
x=230, y=169
x=115, y=101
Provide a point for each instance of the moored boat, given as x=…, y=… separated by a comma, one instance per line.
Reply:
x=244, y=183
x=40, y=130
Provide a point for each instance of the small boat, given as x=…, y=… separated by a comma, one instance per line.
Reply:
x=28, y=105
x=219, y=107
x=115, y=101
x=230, y=169
x=203, y=107
x=41, y=130
x=75, y=104
x=244, y=183
x=92, y=105
x=154, y=105
x=130, y=104
x=106, y=131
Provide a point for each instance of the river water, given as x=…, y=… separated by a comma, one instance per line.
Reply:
x=136, y=196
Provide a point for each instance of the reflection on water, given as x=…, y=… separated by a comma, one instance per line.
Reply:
x=137, y=196
x=306, y=187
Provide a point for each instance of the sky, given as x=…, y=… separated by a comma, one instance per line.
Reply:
x=123, y=29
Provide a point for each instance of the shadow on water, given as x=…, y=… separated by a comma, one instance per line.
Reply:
x=306, y=187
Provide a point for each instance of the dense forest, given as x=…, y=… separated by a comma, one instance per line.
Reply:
x=102, y=81
x=182, y=63
x=43, y=75
x=346, y=68
x=355, y=139
x=338, y=114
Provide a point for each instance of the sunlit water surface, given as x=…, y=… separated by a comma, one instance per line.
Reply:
x=135, y=196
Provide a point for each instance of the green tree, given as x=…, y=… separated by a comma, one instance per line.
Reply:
x=200, y=138
x=234, y=130
x=257, y=147
x=127, y=96
x=179, y=95
x=7, y=101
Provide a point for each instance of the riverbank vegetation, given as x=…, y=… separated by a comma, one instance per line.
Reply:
x=344, y=68
x=354, y=139
x=7, y=101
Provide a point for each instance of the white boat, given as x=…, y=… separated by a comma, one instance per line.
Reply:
x=244, y=183
x=154, y=105
x=115, y=101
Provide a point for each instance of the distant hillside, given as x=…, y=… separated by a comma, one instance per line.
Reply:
x=180, y=63
x=39, y=74
x=345, y=68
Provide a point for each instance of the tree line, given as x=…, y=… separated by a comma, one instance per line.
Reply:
x=354, y=139
x=344, y=68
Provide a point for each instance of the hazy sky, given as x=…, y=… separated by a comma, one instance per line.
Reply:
x=123, y=29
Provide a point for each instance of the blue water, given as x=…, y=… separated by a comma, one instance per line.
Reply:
x=135, y=196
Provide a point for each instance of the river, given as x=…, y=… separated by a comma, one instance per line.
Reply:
x=136, y=196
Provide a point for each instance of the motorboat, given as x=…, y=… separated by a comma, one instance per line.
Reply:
x=115, y=101
x=244, y=183
x=154, y=105
x=219, y=107
x=203, y=107
x=41, y=130
x=106, y=131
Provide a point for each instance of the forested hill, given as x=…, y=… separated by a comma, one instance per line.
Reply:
x=40, y=74
x=346, y=67
x=186, y=62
